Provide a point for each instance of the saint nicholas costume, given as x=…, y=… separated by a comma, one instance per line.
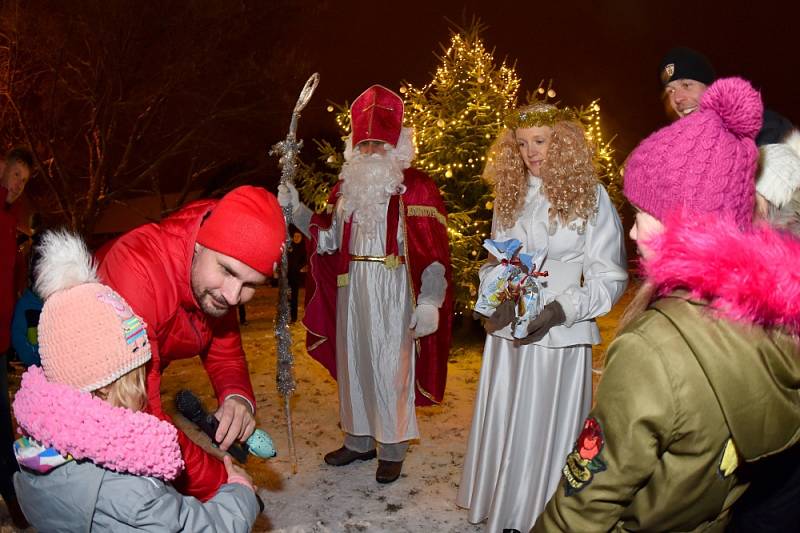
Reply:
x=364, y=287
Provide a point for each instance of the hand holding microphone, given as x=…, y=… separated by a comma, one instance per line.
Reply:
x=259, y=443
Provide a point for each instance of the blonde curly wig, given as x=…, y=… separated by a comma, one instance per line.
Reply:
x=569, y=177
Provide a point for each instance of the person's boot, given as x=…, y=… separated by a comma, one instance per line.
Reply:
x=388, y=471
x=345, y=456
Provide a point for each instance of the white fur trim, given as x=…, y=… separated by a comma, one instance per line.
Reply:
x=793, y=141
x=65, y=262
x=405, y=150
x=779, y=174
x=348, y=147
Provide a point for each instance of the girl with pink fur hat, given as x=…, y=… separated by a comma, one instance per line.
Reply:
x=697, y=419
x=90, y=458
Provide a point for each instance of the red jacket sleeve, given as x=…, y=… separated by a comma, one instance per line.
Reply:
x=225, y=361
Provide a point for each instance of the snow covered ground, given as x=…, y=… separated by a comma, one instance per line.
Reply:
x=321, y=498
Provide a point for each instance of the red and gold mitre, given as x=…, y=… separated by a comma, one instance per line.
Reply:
x=377, y=115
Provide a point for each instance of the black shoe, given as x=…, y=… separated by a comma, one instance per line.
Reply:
x=388, y=471
x=345, y=456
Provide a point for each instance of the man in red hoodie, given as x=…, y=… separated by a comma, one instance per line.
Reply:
x=15, y=171
x=183, y=276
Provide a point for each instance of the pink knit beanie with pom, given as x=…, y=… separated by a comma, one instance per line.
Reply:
x=88, y=334
x=702, y=163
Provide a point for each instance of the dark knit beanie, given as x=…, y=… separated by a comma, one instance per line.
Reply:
x=686, y=64
x=774, y=129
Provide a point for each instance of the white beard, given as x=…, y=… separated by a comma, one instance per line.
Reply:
x=368, y=181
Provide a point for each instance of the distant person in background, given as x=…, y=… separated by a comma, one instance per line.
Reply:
x=25, y=323
x=778, y=182
x=15, y=170
x=297, y=266
x=686, y=74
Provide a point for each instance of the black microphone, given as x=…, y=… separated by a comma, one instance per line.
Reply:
x=189, y=406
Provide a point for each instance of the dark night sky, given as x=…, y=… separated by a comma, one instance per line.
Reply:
x=602, y=49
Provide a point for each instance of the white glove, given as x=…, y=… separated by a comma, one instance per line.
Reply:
x=301, y=214
x=424, y=320
x=287, y=194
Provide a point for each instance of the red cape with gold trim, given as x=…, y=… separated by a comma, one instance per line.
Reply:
x=424, y=215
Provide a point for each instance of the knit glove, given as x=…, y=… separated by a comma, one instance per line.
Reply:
x=424, y=320
x=301, y=214
x=502, y=316
x=551, y=315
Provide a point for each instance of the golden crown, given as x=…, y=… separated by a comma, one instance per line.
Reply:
x=539, y=114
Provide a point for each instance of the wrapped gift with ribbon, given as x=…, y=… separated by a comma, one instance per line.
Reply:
x=526, y=286
x=494, y=288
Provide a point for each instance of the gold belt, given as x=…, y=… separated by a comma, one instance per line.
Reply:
x=389, y=261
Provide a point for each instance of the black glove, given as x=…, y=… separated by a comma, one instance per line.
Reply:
x=502, y=316
x=552, y=315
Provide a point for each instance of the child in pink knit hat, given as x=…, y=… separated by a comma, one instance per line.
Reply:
x=696, y=421
x=90, y=458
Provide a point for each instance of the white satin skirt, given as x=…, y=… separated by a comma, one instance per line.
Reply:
x=530, y=407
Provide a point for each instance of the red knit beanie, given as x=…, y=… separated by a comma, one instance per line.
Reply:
x=702, y=163
x=248, y=225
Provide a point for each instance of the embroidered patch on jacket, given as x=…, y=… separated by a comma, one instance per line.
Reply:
x=728, y=460
x=584, y=461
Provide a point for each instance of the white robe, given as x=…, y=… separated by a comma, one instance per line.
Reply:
x=374, y=347
x=532, y=400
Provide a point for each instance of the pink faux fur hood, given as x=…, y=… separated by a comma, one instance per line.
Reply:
x=748, y=276
x=81, y=425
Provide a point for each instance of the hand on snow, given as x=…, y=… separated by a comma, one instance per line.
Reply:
x=288, y=195
x=552, y=315
x=502, y=316
x=424, y=320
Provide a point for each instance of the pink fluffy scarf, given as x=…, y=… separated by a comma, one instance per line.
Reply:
x=750, y=276
x=86, y=427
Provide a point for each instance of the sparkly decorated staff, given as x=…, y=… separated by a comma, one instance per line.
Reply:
x=287, y=151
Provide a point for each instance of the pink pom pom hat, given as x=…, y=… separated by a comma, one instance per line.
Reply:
x=703, y=163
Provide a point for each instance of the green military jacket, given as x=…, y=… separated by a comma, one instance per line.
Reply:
x=685, y=398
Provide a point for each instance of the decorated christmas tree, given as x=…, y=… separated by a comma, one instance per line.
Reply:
x=455, y=118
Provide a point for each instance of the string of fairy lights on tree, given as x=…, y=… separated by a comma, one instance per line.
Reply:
x=455, y=119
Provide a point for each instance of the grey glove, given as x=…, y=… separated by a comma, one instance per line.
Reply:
x=552, y=315
x=502, y=316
